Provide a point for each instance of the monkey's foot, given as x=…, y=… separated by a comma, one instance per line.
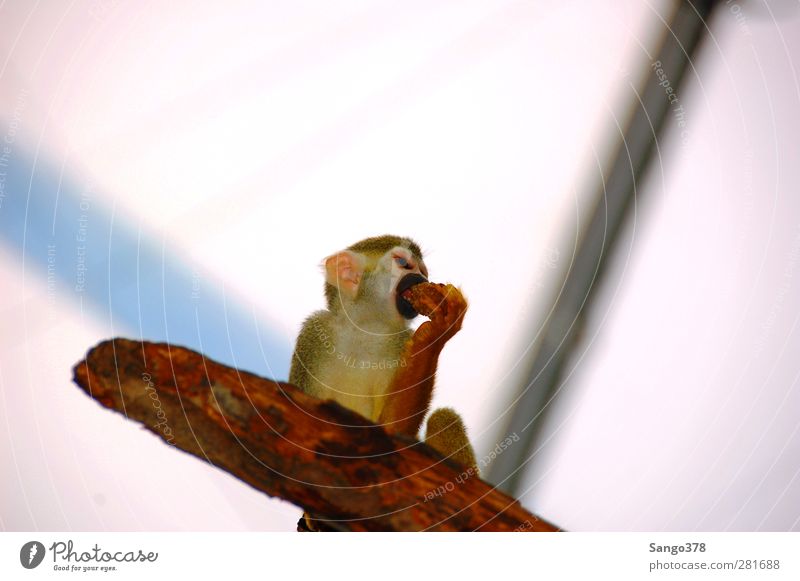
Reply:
x=308, y=524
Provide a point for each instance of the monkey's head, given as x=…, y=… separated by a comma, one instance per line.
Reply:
x=368, y=277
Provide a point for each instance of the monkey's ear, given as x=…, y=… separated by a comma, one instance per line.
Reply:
x=344, y=270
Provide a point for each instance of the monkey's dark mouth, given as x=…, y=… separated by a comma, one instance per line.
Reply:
x=403, y=306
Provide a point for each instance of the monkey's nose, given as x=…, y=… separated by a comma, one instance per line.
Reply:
x=403, y=306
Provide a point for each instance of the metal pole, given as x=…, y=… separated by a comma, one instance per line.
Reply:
x=614, y=199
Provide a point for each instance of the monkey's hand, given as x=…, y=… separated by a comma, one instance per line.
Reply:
x=444, y=305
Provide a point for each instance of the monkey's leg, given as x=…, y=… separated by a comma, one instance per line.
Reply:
x=445, y=432
x=409, y=396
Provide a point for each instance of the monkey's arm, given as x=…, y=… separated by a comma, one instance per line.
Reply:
x=409, y=396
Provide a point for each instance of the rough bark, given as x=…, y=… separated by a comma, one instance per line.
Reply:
x=316, y=454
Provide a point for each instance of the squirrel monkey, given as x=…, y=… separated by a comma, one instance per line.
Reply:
x=361, y=353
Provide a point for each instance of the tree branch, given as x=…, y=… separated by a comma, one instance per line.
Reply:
x=317, y=454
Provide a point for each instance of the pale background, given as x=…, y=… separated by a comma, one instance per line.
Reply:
x=233, y=147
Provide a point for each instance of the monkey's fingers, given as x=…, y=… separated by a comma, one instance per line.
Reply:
x=453, y=309
x=444, y=304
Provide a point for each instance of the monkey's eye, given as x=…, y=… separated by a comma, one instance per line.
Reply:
x=402, y=262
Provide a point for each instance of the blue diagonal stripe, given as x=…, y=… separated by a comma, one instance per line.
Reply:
x=65, y=229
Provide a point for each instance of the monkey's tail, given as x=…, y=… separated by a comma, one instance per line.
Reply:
x=445, y=432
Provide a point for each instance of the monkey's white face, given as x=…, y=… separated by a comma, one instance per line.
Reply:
x=402, y=264
x=368, y=286
x=393, y=266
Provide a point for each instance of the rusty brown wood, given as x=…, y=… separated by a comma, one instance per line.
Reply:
x=316, y=454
